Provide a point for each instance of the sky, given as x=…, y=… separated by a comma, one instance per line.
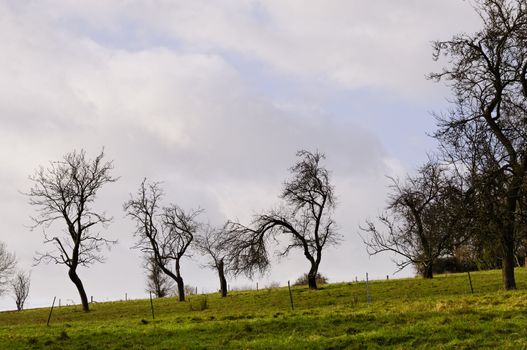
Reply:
x=213, y=99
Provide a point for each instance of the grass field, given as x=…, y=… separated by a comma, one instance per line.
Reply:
x=403, y=314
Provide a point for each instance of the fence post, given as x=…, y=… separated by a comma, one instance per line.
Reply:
x=50, y=311
x=152, y=306
x=367, y=289
x=256, y=286
x=92, y=299
x=125, y=296
x=470, y=281
x=291, y=296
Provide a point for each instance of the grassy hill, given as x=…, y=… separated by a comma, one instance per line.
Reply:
x=405, y=314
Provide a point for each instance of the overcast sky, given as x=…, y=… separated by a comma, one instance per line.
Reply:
x=214, y=98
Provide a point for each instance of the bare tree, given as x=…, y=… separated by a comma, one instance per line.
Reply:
x=305, y=218
x=487, y=72
x=65, y=192
x=213, y=242
x=423, y=220
x=181, y=227
x=7, y=266
x=164, y=233
x=157, y=281
x=20, y=285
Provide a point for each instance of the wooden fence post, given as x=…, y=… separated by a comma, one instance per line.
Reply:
x=50, y=311
x=367, y=290
x=291, y=296
x=152, y=306
x=470, y=281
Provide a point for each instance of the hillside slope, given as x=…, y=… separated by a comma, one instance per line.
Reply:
x=405, y=313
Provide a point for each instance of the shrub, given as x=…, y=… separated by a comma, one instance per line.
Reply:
x=449, y=264
x=302, y=280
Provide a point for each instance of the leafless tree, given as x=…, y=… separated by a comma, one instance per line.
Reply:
x=487, y=72
x=20, y=285
x=423, y=221
x=181, y=227
x=7, y=266
x=305, y=218
x=213, y=243
x=157, y=281
x=64, y=192
x=164, y=233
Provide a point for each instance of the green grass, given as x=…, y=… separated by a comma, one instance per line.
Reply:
x=404, y=314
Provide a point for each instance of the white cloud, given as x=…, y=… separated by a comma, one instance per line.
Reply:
x=355, y=44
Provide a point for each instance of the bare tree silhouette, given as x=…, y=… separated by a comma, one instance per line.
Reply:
x=20, y=285
x=213, y=243
x=7, y=266
x=305, y=218
x=65, y=192
x=164, y=233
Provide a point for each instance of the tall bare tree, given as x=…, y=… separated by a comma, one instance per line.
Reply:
x=64, y=192
x=213, y=243
x=487, y=72
x=7, y=266
x=423, y=221
x=20, y=285
x=164, y=233
x=304, y=218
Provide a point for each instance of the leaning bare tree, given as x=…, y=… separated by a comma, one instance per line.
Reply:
x=65, y=192
x=423, y=220
x=20, y=285
x=181, y=227
x=487, y=72
x=7, y=266
x=213, y=243
x=304, y=218
x=164, y=233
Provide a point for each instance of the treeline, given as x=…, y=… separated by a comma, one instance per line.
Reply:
x=466, y=208
x=63, y=195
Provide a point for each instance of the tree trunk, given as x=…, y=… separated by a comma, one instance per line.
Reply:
x=180, y=289
x=507, y=265
x=78, y=283
x=508, y=235
x=312, y=277
x=428, y=272
x=223, y=280
x=180, y=283
x=176, y=277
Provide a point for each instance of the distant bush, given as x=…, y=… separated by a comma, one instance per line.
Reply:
x=273, y=285
x=242, y=288
x=302, y=280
